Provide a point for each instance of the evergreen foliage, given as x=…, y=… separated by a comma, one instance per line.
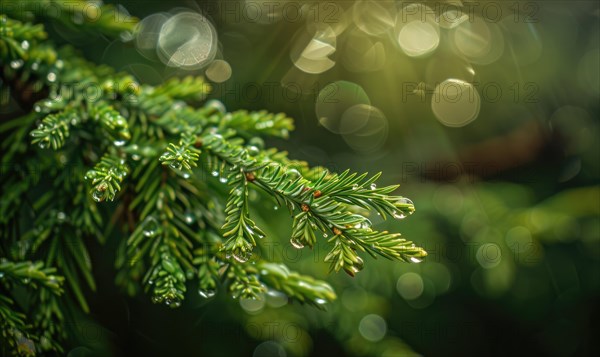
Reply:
x=97, y=155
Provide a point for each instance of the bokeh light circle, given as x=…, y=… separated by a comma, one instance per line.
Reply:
x=519, y=239
x=218, y=71
x=451, y=18
x=253, y=306
x=479, y=41
x=269, y=349
x=455, y=103
x=311, y=48
x=276, y=298
x=489, y=255
x=365, y=128
x=372, y=327
x=372, y=17
x=416, y=30
x=187, y=40
x=333, y=101
x=147, y=32
x=410, y=286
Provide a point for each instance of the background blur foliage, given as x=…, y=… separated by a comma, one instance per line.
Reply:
x=506, y=189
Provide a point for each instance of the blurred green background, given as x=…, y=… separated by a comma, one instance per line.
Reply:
x=504, y=178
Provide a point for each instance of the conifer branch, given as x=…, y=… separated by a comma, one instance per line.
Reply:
x=241, y=231
x=181, y=177
x=106, y=177
x=182, y=156
x=53, y=131
x=29, y=273
x=18, y=332
x=107, y=18
x=301, y=287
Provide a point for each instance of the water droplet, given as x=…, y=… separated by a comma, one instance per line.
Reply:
x=242, y=257
x=98, y=196
x=120, y=122
x=25, y=45
x=296, y=243
x=276, y=298
x=175, y=165
x=293, y=173
x=223, y=179
x=51, y=77
x=149, y=233
x=215, y=104
x=398, y=215
x=215, y=173
x=186, y=175
x=1, y=274
x=320, y=301
x=257, y=141
x=150, y=226
x=16, y=64
x=35, y=66
x=325, y=235
x=119, y=142
x=175, y=304
x=189, y=218
x=405, y=201
x=61, y=216
x=207, y=293
x=253, y=150
x=415, y=260
x=136, y=157
x=275, y=207
x=189, y=274
x=373, y=186
x=52, y=280
x=44, y=144
x=90, y=175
